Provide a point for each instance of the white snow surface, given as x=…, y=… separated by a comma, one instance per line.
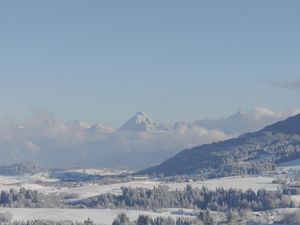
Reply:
x=100, y=216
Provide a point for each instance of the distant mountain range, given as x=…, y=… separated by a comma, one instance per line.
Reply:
x=139, y=143
x=249, y=153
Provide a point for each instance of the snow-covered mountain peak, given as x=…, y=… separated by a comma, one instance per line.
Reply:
x=141, y=117
x=141, y=113
x=139, y=122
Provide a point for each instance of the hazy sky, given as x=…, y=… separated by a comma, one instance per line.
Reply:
x=101, y=61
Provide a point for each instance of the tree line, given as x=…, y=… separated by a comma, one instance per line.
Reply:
x=28, y=199
x=219, y=199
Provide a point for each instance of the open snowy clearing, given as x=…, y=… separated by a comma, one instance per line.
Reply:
x=244, y=183
x=100, y=216
x=27, y=182
x=94, y=189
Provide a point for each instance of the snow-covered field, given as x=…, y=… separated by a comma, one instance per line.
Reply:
x=100, y=216
x=27, y=182
x=106, y=216
x=244, y=183
x=43, y=184
x=94, y=189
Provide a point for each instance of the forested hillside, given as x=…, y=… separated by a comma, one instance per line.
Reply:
x=250, y=153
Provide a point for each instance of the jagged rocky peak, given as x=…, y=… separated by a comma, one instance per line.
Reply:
x=139, y=122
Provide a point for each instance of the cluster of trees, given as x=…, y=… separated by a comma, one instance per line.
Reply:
x=219, y=199
x=194, y=198
x=203, y=218
x=242, y=168
x=27, y=199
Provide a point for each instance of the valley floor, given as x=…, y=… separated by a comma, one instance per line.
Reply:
x=82, y=190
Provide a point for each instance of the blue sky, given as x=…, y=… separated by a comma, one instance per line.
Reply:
x=101, y=61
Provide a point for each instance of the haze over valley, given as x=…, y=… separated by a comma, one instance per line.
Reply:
x=140, y=142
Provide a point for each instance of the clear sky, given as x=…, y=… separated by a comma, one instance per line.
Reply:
x=101, y=61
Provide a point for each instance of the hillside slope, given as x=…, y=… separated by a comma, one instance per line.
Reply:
x=249, y=153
